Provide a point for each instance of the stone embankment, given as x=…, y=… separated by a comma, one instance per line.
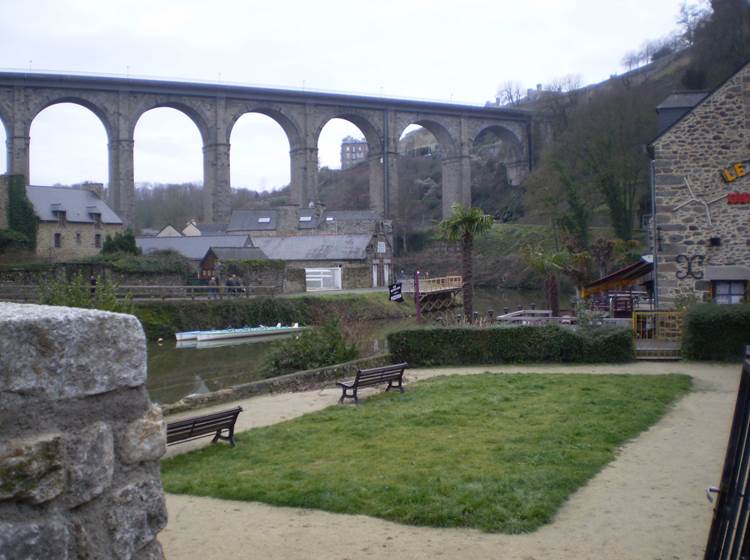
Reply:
x=80, y=441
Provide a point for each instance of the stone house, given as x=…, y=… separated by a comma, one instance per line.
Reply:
x=168, y=231
x=193, y=247
x=212, y=261
x=315, y=220
x=701, y=198
x=334, y=262
x=353, y=151
x=193, y=227
x=73, y=221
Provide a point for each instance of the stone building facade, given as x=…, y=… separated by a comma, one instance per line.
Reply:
x=353, y=151
x=701, y=193
x=80, y=441
x=73, y=222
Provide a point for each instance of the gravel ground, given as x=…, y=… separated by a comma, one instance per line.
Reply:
x=648, y=504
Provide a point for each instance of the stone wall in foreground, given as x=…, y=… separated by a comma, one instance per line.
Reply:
x=80, y=441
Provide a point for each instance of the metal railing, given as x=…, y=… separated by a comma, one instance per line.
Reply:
x=32, y=293
x=665, y=326
x=430, y=285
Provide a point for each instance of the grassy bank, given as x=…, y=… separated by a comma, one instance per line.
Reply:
x=163, y=319
x=500, y=453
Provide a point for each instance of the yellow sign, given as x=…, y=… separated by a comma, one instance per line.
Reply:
x=740, y=169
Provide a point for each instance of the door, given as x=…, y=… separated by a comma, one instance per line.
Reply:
x=317, y=279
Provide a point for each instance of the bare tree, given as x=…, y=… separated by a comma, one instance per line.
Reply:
x=691, y=17
x=510, y=93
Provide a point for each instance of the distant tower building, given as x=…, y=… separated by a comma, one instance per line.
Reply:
x=352, y=151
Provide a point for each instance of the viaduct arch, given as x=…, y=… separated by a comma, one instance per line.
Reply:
x=215, y=108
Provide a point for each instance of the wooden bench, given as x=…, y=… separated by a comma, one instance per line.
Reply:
x=203, y=426
x=373, y=376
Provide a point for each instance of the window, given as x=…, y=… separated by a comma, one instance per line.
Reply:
x=264, y=220
x=78, y=238
x=58, y=240
x=97, y=220
x=61, y=219
x=305, y=218
x=729, y=291
x=98, y=240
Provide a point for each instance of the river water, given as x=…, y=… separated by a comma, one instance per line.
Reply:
x=177, y=372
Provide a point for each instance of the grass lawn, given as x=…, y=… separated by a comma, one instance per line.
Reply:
x=500, y=453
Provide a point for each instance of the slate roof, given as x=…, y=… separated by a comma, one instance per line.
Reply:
x=683, y=99
x=238, y=253
x=306, y=219
x=78, y=204
x=194, y=247
x=212, y=229
x=315, y=247
x=349, y=215
x=248, y=220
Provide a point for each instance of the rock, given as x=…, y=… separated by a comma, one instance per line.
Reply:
x=34, y=540
x=151, y=551
x=137, y=512
x=61, y=352
x=32, y=470
x=144, y=439
x=90, y=463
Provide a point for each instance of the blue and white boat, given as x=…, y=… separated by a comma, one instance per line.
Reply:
x=243, y=332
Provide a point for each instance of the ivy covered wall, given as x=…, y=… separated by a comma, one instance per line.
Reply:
x=21, y=217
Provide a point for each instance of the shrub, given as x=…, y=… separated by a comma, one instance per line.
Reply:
x=80, y=293
x=120, y=243
x=458, y=346
x=716, y=332
x=11, y=239
x=21, y=216
x=158, y=262
x=313, y=349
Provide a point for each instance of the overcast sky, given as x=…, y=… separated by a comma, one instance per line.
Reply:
x=441, y=49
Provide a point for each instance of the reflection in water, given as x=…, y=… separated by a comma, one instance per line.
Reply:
x=199, y=386
x=174, y=373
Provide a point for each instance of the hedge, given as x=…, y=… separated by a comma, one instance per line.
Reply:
x=163, y=319
x=716, y=332
x=497, y=345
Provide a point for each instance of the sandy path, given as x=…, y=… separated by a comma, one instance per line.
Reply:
x=648, y=504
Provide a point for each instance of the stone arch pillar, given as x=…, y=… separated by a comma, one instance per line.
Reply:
x=303, y=187
x=457, y=173
x=121, y=174
x=216, y=172
x=217, y=189
x=18, y=138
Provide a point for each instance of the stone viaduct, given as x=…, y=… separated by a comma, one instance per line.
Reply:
x=214, y=108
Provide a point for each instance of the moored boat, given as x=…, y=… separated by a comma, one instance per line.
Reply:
x=244, y=332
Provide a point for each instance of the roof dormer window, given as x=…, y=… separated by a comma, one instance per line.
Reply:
x=264, y=220
x=305, y=218
x=61, y=217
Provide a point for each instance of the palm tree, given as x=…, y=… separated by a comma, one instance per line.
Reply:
x=465, y=224
x=549, y=264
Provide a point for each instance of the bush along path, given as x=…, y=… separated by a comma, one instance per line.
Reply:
x=498, y=345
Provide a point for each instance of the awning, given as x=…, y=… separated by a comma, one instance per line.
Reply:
x=629, y=276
